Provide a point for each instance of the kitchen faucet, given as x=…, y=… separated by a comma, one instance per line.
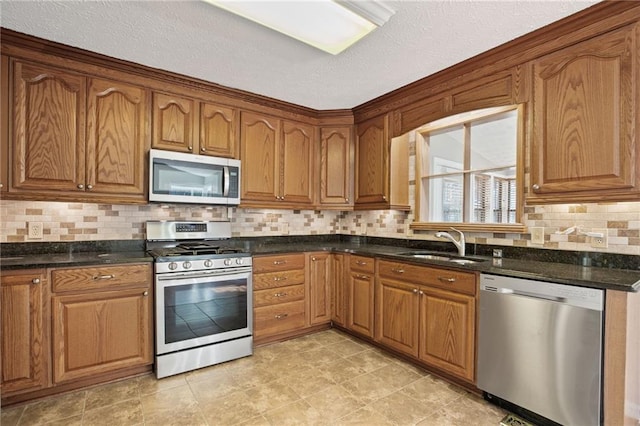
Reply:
x=460, y=243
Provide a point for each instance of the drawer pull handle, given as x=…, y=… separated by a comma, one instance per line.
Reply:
x=146, y=293
x=415, y=290
x=447, y=279
x=398, y=270
x=360, y=262
x=279, y=278
x=35, y=281
x=421, y=293
x=283, y=294
x=279, y=262
x=281, y=316
x=103, y=277
x=362, y=277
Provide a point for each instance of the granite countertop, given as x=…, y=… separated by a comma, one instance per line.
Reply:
x=550, y=271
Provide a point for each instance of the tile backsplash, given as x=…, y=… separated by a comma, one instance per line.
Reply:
x=89, y=222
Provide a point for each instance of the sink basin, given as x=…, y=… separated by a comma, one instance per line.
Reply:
x=430, y=257
x=464, y=261
x=441, y=257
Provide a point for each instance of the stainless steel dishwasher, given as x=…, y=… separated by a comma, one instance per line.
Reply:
x=540, y=348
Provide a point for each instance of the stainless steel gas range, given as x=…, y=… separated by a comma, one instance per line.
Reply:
x=203, y=296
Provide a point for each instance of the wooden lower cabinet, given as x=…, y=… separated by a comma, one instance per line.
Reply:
x=319, y=287
x=25, y=355
x=339, y=288
x=429, y=314
x=360, y=312
x=97, y=329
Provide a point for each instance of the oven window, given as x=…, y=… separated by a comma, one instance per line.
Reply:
x=206, y=309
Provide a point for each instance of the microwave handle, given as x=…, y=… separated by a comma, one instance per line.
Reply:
x=227, y=178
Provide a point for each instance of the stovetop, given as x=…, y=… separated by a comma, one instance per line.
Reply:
x=196, y=248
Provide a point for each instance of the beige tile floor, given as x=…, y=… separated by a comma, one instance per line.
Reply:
x=327, y=378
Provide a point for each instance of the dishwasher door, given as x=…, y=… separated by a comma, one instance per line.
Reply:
x=540, y=347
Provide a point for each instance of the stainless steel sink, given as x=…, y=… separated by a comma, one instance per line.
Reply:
x=440, y=257
x=464, y=261
x=430, y=257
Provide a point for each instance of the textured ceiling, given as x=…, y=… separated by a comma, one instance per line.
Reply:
x=199, y=40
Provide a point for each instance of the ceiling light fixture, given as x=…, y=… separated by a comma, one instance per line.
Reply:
x=328, y=25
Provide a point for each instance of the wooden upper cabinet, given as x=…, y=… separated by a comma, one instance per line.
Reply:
x=48, y=128
x=585, y=120
x=296, y=158
x=218, y=130
x=259, y=143
x=174, y=122
x=382, y=167
x=277, y=167
x=23, y=328
x=116, y=138
x=336, y=167
x=185, y=124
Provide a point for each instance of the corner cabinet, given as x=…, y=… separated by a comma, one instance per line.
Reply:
x=185, y=124
x=360, y=295
x=277, y=162
x=382, y=176
x=585, y=121
x=102, y=320
x=76, y=137
x=24, y=338
x=319, y=267
x=336, y=167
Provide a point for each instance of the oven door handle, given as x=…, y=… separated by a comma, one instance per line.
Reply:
x=204, y=274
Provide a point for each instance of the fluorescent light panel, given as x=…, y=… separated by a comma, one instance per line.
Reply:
x=327, y=25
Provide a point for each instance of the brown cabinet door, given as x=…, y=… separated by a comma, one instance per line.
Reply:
x=48, y=128
x=24, y=352
x=585, y=119
x=372, y=161
x=447, y=331
x=319, y=288
x=397, y=315
x=338, y=289
x=218, y=130
x=101, y=332
x=4, y=124
x=297, y=163
x=117, y=138
x=259, y=144
x=361, y=309
x=174, y=122
x=336, y=166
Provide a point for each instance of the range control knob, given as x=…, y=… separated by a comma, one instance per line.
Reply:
x=208, y=263
x=186, y=265
x=239, y=261
x=227, y=262
x=173, y=266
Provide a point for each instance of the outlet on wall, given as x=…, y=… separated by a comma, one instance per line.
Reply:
x=537, y=235
x=35, y=230
x=600, y=241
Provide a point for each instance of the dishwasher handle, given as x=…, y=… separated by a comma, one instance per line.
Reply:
x=504, y=290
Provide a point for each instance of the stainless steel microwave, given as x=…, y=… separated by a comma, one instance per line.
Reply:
x=176, y=177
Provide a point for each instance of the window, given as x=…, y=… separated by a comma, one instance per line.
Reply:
x=468, y=171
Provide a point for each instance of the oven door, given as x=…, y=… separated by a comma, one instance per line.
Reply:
x=200, y=308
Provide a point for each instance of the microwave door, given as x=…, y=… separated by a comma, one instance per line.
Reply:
x=225, y=192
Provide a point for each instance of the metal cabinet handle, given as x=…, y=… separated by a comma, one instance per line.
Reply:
x=89, y=187
x=1, y=185
x=346, y=200
x=421, y=293
x=35, y=281
x=203, y=149
x=281, y=316
x=360, y=262
x=279, y=278
x=398, y=270
x=362, y=277
x=190, y=148
x=535, y=186
x=80, y=186
x=283, y=294
x=447, y=279
x=146, y=293
x=415, y=291
x=103, y=277
x=279, y=262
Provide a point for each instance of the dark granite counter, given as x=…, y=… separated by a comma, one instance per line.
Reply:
x=608, y=271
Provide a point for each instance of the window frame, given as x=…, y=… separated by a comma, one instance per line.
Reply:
x=465, y=119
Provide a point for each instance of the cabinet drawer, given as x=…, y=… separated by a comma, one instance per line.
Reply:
x=101, y=277
x=462, y=282
x=279, y=318
x=278, y=263
x=278, y=279
x=361, y=263
x=278, y=295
